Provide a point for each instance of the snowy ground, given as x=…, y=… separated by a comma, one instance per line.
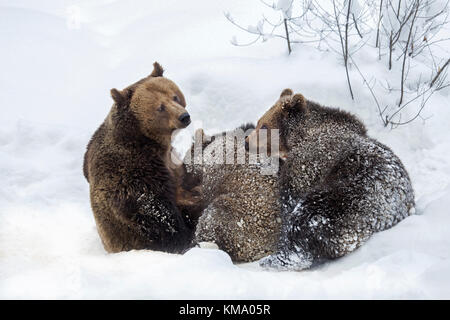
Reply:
x=60, y=58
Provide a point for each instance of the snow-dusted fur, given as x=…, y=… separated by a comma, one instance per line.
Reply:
x=338, y=187
x=241, y=211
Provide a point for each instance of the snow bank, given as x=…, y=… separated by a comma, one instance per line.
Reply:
x=61, y=59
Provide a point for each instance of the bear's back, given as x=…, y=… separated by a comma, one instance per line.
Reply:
x=104, y=157
x=317, y=141
x=323, y=115
x=95, y=143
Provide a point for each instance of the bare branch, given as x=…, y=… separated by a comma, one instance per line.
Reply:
x=439, y=72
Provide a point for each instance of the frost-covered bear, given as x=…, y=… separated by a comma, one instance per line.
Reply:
x=337, y=185
x=241, y=200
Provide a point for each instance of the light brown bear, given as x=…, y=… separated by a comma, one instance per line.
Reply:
x=140, y=198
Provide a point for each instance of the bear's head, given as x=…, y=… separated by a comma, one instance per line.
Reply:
x=156, y=103
x=283, y=115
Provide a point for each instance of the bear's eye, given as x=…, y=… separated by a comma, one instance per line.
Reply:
x=176, y=99
x=161, y=108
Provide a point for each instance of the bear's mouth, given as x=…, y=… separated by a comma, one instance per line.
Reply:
x=180, y=126
x=184, y=124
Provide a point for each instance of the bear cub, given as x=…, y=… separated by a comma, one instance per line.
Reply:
x=241, y=214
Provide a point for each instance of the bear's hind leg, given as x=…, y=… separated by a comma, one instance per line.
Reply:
x=325, y=225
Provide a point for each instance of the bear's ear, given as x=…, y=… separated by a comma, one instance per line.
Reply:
x=121, y=98
x=286, y=92
x=157, y=70
x=296, y=103
x=298, y=99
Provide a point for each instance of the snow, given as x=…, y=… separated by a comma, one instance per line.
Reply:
x=60, y=60
x=285, y=6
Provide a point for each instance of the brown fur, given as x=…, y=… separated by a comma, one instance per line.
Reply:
x=289, y=105
x=337, y=185
x=136, y=189
x=241, y=213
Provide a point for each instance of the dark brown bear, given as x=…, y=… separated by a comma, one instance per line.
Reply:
x=337, y=185
x=137, y=191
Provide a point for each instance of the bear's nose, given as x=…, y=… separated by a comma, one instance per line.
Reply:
x=185, y=119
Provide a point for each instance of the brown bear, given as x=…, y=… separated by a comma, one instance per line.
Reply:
x=241, y=203
x=337, y=185
x=138, y=194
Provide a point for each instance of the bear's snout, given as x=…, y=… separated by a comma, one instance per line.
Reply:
x=185, y=119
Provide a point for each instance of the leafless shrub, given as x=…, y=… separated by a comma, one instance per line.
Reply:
x=283, y=26
x=404, y=33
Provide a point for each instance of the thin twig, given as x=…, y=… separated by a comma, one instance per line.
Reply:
x=439, y=72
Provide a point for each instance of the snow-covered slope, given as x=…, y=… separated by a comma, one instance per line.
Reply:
x=58, y=62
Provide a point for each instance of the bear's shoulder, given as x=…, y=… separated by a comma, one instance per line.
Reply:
x=339, y=117
x=106, y=158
